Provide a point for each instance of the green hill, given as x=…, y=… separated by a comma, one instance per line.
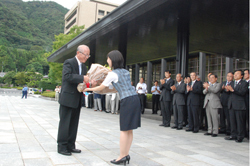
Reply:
x=25, y=24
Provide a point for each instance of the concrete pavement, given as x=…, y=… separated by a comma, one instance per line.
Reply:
x=28, y=131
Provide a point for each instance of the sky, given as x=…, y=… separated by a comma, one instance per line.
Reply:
x=70, y=3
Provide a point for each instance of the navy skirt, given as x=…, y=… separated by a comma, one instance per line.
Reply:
x=130, y=113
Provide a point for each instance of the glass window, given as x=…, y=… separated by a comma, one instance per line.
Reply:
x=171, y=65
x=156, y=72
x=101, y=12
x=240, y=64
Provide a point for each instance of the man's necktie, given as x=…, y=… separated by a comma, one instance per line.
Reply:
x=80, y=69
x=235, y=83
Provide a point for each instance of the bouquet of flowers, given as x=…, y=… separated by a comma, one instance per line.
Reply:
x=98, y=73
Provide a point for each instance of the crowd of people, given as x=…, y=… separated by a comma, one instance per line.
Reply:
x=218, y=108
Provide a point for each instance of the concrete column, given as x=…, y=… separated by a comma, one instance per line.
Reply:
x=163, y=67
x=137, y=70
x=202, y=66
x=229, y=65
x=149, y=76
x=123, y=37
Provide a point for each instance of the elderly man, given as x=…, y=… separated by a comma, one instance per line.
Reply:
x=178, y=101
x=237, y=106
x=141, y=89
x=70, y=99
x=212, y=104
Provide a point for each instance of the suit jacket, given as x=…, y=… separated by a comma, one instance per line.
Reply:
x=179, y=94
x=247, y=95
x=70, y=96
x=166, y=90
x=193, y=97
x=212, y=96
x=236, y=99
x=225, y=94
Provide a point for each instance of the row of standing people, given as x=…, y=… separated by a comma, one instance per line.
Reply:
x=192, y=102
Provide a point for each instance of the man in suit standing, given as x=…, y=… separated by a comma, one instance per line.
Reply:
x=73, y=73
x=166, y=98
x=237, y=107
x=224, y=112
x=178, y=90
x=193, y=91
x=246, y=77
x=212, y=104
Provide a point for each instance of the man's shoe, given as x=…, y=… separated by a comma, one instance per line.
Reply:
x=161, y=125
x=230, y=138
x=207, y=134
x=174, y=127
x=189, y=130
x=65, y=152
x=75, y=150
x=195, y=131
x=167, y=126
x=179, y=128
x=214, y=135
x=238, y=140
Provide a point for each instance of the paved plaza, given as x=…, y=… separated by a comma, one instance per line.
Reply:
x=28, y=132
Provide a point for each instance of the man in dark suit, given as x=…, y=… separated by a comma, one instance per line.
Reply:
x=246, y=77
x=166, y=98
x=70, y=100
x=193, y=90
x=237, y=107
x=224, y=112
x=178, y=90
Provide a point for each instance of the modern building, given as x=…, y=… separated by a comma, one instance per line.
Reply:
x=180, y=35
x=87, y=12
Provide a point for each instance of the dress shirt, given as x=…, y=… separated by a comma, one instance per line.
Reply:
x=192, y=83
x=25, y=89
x=167, y=79
x=179, y=83
x=143, y=86
x=155, y=92
x=80, y=66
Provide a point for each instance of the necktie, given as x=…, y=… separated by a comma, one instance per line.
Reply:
x=80, y=69
x=235, y=83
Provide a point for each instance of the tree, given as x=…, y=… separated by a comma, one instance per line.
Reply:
x=9, y=78
x=21, y=78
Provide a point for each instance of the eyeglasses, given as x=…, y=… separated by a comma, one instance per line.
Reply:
x=85, y=54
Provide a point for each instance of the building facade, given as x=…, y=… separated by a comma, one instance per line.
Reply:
x=87, y=12
x=182, y=36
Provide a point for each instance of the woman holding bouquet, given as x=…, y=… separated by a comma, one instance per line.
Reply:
x=130, y=109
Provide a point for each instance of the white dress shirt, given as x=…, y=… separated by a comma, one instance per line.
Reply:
x=143, y=90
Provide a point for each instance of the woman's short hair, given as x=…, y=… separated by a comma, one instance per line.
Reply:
x=116, y=58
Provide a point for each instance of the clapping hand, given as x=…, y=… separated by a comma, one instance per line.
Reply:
x=173, y=88
x=206, y=85
x=229, y=88
x=188, y=88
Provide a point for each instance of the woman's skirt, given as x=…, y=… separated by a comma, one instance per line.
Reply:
x=130, y=113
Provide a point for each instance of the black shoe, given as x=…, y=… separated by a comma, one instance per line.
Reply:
x=75, y=150
x=189, y=130
x=174, y=127
x=167, y=126
x=106, y=111
x=207, y=134
x=123, y=160
x=238, y=140
x=161, y=125
x=128, y=158
x=230, y=138
x=214, y=135
x=65, y=152
x=179, y=128
x=195, y=131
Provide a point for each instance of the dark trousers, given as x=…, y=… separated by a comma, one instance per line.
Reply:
x=166, y=112
x=24, y=94
x=203, y=116
x=237, y=119
x=185, y=115
x=193, y=117
x=142, y=100
x=90, y=100
x=103, y=102
x=178, y=115
x=247, y=117
x=225, y=120
x=68, y=124
x=155, y=103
